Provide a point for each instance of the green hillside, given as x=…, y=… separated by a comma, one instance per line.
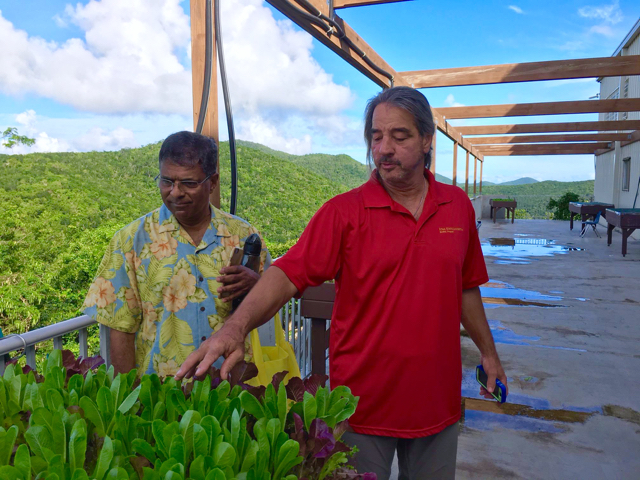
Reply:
x=533, y=197
x=341, y=169
x=519, y=181
x=61, y=209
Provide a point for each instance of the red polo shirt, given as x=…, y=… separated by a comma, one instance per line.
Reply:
x=395, y=328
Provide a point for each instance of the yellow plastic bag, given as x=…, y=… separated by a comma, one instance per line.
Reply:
x=272, y=360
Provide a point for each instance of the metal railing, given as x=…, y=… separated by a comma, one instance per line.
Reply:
x=297, y=331
x=27, y=341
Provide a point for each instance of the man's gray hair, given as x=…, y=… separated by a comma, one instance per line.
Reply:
x=410, y=100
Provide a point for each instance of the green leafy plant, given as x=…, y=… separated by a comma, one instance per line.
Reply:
x=79, y=421
x=560, y=207
x=10, y=138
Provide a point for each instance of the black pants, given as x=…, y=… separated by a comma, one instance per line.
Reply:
x=432, y=457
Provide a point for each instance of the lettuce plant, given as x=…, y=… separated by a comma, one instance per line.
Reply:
x=79, y=421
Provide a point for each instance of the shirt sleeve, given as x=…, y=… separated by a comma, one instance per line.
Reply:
x=316, y=257
x=113, y=298
x=474, y=270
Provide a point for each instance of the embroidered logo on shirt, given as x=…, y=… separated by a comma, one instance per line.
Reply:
x=450, y=229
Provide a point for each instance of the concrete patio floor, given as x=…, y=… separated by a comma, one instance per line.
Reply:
x=574, y=357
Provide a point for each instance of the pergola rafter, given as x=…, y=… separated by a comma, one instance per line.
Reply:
x=604, y=126
x=525, y=72
x=361, y=3
x=318, y=18
x=515, y=139
x=549, y=149
x=546, y=108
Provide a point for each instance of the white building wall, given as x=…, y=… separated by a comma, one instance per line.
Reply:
x=603, y=188
x=608, y=87
x=627, y=198
x=608, y=182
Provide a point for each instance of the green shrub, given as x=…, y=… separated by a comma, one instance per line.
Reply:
x=560, y=207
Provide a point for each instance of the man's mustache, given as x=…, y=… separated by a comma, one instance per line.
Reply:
x=386, y=159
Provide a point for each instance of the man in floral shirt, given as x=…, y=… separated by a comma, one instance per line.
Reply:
x=163, y=286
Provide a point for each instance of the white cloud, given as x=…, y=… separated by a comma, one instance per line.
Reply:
x=605, y=30
x=450, y=101
x=95, y=138
x=259, y=130
x=100, y=139
x=609, y=13
x=130, y=62
x=126, y=62
x=270, y=64
x=515, y=9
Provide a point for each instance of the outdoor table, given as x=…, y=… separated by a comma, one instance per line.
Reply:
x=508, y=205
x=587, y=210
x=627, y=219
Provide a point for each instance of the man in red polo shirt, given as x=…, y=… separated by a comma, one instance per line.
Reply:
x=405, y=255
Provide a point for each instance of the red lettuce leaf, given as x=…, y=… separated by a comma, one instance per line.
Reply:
x=277, y=379
x=295, y=389
x=315, y=381
x=323, y=440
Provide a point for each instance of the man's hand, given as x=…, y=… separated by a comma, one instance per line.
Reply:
x=237, y=281
x=493, y=369
x=227, y=342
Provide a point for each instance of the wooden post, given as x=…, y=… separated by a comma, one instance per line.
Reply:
x=454, y=179
x=198, y=47
x=433, y=153
x=481, y=165
x=475, y=171
x=466, y=176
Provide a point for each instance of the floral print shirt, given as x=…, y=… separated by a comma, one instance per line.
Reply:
x=154, y=282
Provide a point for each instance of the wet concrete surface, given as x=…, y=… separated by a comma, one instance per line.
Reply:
x=566, y=320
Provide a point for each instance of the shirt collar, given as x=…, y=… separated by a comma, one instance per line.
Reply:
x=217, y=227
x=375, y=195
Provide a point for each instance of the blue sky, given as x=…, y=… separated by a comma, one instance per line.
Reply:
x=108, y=74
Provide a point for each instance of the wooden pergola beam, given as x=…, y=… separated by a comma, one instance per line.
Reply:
x=361, y=3
x=633, y=137
x=453, y=134
x=198, y=46
x=338, y=46
x=547, y=108
x=515, y=139
x=611, y=125
x=548, y=149
x=341, y=48
x=526, y=72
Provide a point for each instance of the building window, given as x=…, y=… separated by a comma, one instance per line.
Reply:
x=626, y=173
x=612, y=116
x=625, y=94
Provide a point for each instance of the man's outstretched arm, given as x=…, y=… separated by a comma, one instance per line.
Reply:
x=475, y=323
x=271, y=292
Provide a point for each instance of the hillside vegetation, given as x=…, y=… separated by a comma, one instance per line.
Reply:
x=61, y=209
x=533, y=198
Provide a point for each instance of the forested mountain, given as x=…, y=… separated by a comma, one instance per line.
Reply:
x=519, y=181
x=59, y=210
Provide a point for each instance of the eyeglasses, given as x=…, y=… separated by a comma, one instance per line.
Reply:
x=168, y=184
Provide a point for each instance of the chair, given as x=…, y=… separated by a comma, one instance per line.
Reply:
x=593, y=223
